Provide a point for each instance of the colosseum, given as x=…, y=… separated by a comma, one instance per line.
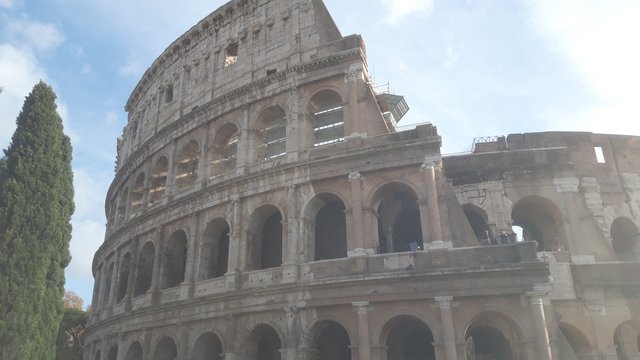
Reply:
x=266, y=206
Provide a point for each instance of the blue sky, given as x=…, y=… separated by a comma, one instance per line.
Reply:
x=472, y=67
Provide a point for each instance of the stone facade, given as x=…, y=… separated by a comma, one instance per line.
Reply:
x=265, y=207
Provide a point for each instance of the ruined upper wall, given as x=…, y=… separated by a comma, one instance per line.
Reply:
x=239, y=43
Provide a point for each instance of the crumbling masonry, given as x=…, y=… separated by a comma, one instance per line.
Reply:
x=266, y=207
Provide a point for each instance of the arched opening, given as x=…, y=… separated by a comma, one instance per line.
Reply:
x=144, y=270
x=158, y=182
x=572, y=343
x=330, y=227
x=175, y=260
x=541, y=221
x=490, y=336
x=408, y=338
x=98, y=355
x=273, y=134
x=113, y=353
x=398, y=215
x=265, y=250
x=106, y=292
x=137, y=196
x=123, y=278
x=187, y=166
x=134, y=352
x=264, y=344
x=165, y=350
x=214, y=255
x=625, y=236
x=626, y=340
x=331, y=341
x=224, y=150
x=207, y=347
x=477, y=218
x=327, y=112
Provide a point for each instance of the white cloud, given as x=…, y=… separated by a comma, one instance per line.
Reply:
x=6, y=3
x=35, y=34
x=399, y=9
x=90, y=190
x=86, y=239
x=599, y=39
x=134, y=67
x=19, y=72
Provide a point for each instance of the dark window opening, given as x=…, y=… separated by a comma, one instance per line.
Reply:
x=265, y=344
x=207, y=347
x=168, y=94
x=166, y=350
x=478, y=221
x=399, y=226
x=539, y=220
x=333, y=343
x=271, y=249
x=123, y=279
x=215, y=249
x=331, y=231
x=106, y=292
x=134, y=352
x=486, y=342
x=625, y=239
x=410, y=338
x=113, y=353
x=175, y=260
x=144, y=271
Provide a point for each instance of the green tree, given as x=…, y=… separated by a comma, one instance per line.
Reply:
x=36, y=204
x=69, y=342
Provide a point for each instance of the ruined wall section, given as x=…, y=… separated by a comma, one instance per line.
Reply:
x=241, y=42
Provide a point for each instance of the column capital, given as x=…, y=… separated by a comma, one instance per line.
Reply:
x=444, y=302
x=361, y=307
x=355, y=176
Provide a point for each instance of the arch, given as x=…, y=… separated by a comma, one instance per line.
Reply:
x=625, y=338
x=492, y=335
x=572, y=342
x=541, y=221
x=478, y=220
x=134, y=352
x=106, y=293
x=224, y=150
x=272, y=130
x=330, y=341
x=98, y=355
x=265, y=238
x=408, y=338
x=214, y=254
x=625, y=236
x=263, y=344
x=136, y=201
x=207, y=347
x=166, y=349
x=158, y=182
x=144, y=270
x=123, y=277
x=398, y=218
x=175, y=260
x=327, y=111
x=330, y=234
x=186, y=165
x=112, y=354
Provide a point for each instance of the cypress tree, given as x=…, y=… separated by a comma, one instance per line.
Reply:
x=36, y=204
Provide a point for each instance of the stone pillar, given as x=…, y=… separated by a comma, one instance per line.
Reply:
x=295, y=125
x=113, y=291
x=193, y=240
x=171, y=173
x=243, y=150
x=428, y=168
x=356, y=246
x=203, y=162
x=352, y=121
x=448, y=332
x=156, y=276
x=536, y=309
x=291, y=240
x=362, y=310
x=232, y=276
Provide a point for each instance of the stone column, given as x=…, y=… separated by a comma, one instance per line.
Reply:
x=356, y=246
x=428, y=168
x=113, y=291
x=132, y=274
x=448, y=332
x=193, y=240
x=243, y=150
x=362, y=310
x=536, y=309
x=352, y=121
x=232, y=276
x=203, y=162
x=156, y=276
x=295, y=125
x=171, y=173
x=291, y=241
